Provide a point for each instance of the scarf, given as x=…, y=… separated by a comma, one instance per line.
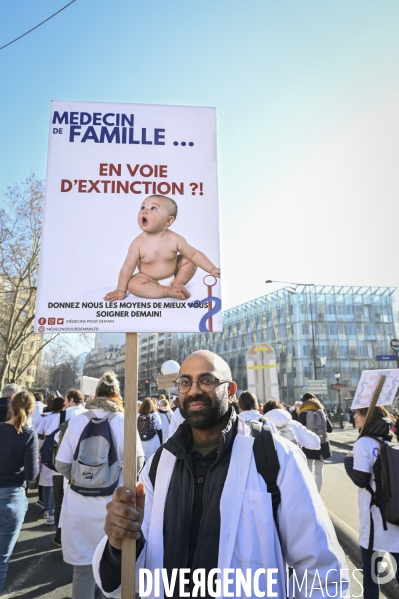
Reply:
x=311, y=405
x=109, y=404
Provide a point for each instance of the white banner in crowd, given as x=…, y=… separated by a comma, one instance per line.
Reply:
x=368, y=383
x=131, y=226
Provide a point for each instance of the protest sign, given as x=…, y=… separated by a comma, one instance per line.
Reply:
x=166, y=381
x=88, y=385
x=368, y=383
x=131, y=189
x=130, y=239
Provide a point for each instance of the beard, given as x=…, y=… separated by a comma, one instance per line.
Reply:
x=207, y=417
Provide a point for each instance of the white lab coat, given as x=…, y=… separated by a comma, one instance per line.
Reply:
x=166, y=417
x=176, y=421
x=82, y=518
x=47, y=424
x=37, y=414
x=248, y=537
x=306, y=438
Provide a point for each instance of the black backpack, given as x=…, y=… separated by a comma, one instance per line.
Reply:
x=386, y=477
x=146, y=427
x=46, y=450
x=266, y=460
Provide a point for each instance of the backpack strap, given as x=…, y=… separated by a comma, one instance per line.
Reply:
x=62, y=417
x=374, y=498
x=154, y=466
x=266, y=460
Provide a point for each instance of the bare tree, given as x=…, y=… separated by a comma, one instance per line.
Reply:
x=59, y=368
x=20, y=235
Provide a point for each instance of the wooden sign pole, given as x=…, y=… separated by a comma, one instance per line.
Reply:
x=373, y=403
x=129, y=459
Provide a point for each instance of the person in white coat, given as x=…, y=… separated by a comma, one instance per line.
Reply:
x=218, y=518
x=49, y=422
x=148, y=411
x=274, y=412
x=73, y=406
x=82, y=516
x=39, y=407
x=165, y=414
x=249, y=407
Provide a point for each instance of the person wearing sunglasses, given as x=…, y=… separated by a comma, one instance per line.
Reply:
x=216, y=508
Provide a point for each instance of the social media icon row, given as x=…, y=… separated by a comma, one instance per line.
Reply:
x=51, y=321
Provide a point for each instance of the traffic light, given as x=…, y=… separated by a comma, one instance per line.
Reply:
x=146, y=381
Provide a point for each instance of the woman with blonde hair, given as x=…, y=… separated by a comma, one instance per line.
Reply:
x=18, y=465
x=149, y=426
x=83, y=515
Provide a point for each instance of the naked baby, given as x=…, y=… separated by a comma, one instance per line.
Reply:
x=166, y=262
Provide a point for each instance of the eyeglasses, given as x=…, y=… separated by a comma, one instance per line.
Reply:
x=205, y=382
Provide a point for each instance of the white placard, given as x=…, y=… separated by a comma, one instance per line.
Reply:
x=111, y=169
x=367, y=384
x=166, y=381
x=88, y=385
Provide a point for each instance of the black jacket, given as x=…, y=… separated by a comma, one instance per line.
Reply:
x=4, y=407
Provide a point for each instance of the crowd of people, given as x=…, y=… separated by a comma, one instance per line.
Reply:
x=207, y=462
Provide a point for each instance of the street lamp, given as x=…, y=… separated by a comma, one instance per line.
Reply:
x=311, y=315
x=340, y=415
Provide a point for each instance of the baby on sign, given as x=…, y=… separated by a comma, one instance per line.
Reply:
x=166, y=262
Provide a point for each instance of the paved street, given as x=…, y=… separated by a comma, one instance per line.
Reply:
x=37, y=568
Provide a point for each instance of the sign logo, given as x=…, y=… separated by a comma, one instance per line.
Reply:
x=60, y=321
x=383, y=567
x=42, y=329
x=42, y=321
x=51, y=321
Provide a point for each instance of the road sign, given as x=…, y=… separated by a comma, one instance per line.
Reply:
x=386, y=358
x=316, y=386
x=167, y=381
x=395, y=345
x=338, y=386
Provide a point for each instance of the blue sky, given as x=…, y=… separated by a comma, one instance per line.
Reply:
x=307, y=97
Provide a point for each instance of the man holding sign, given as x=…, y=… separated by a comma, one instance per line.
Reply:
x=204, y=510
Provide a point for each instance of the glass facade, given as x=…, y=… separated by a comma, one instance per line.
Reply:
x=349, y=326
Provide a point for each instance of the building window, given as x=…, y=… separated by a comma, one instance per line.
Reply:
x=305, y=329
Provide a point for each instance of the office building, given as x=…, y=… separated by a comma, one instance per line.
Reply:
x=348, y=326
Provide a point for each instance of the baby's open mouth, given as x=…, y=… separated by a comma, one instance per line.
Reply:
x=144, y=220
